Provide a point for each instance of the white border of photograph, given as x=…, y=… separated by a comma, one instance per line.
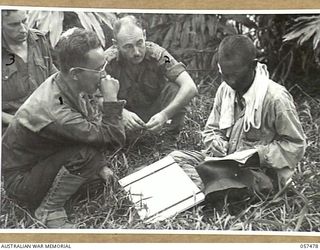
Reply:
x=150, y=231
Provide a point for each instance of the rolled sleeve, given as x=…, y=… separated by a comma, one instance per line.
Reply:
x=174, y=71
x=171, y=67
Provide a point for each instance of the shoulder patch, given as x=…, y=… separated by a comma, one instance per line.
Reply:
x=111, y=53
x=153, y=50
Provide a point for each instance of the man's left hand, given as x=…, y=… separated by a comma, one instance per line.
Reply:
x=157, y=121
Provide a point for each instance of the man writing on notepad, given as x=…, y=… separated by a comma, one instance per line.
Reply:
x=250, y=111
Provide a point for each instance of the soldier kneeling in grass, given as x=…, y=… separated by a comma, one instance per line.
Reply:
x=250, y=111
x=156, y=87
x=51, y=148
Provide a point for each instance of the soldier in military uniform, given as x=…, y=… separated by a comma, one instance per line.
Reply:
x=156, y=87
x=26, y=62
x=53, y=145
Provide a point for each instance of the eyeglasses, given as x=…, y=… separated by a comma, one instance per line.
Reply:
x=102, y=71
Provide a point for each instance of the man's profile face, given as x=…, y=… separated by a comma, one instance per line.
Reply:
x=131, y=43
x=89, y=80
x=14, y=28
x=237, y=72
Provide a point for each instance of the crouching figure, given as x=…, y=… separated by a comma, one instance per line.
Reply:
x=53, y=145
x=250, y=111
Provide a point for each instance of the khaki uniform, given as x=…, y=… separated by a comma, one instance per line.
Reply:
x=152, y=86
x=56, y=128
x=20, y=79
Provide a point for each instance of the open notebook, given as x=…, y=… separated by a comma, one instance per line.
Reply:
x=239, y=156
x=161, y=190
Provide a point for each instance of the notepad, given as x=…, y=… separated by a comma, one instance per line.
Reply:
x=239, y=156
x=161, y=190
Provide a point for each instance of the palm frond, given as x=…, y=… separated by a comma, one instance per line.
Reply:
x=90, y=22
x=305, y=28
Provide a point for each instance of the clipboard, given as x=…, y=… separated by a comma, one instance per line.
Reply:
x=161, y=190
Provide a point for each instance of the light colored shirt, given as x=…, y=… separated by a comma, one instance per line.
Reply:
x=280, y=140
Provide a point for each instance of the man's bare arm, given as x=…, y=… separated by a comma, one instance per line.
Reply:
x=187, y=90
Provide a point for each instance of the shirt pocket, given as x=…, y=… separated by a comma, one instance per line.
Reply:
x=8, y=71
x=152, y=85
x=14, y=86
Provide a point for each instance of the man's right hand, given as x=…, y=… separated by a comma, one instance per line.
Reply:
x=109, y=89
x=218, y=148
x=132, y=121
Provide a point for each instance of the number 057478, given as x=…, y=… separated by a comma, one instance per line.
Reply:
x=309, y=246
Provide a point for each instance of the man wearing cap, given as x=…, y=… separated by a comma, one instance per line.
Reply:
x=156, y=87
x=250, y=111
x=53, y=144
x=26, y=62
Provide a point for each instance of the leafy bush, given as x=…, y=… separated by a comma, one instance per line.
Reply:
x=286, y=46
x=54, y=23
x=194, y=38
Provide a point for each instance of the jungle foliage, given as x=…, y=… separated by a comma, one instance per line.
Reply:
x=288, y=44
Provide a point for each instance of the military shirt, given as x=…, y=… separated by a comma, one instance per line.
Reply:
x=54, y=117
x=141, y=87
x=20, y=79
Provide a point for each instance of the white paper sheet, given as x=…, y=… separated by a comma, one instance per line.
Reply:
x=240, y=156
x=161, y=190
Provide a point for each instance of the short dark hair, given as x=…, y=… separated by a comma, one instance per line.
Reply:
x=237, y=46
x=130, y=19
x=73, y=46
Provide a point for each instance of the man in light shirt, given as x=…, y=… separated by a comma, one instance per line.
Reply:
x=250, y=111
